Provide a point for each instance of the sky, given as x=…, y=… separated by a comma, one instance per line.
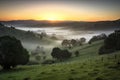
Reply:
x=72, y=10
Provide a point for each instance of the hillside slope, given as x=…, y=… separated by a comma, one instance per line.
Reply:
x=26, y=36
x=88, y=66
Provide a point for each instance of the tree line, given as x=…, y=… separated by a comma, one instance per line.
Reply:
x=73, y=42
x=111, y=43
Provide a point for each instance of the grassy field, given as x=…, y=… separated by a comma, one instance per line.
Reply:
x=88, y=66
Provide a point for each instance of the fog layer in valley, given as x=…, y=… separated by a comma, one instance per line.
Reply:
x=62, y=33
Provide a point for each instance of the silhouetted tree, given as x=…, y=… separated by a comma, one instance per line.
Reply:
x=98, y=37
x=66, y=43
x=55, y=52
x=82, y=41
x=12, y=52
x=76, y=53
x=111, y=43
x=73, y=42
x=60, y=54
x=65, y=54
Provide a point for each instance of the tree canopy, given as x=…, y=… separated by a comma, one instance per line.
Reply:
x=111, y=43
x=12, y=52
x=60, y=54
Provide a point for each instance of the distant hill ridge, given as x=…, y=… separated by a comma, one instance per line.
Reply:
x=78, y=25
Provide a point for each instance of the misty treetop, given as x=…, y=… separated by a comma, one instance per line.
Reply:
x=73, y=42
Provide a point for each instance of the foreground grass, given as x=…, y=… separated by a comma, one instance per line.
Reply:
x=88, y=66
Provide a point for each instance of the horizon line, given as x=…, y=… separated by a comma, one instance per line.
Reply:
x=59, y=20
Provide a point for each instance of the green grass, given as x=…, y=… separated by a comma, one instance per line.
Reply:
x=87, y=51
x=88, y=66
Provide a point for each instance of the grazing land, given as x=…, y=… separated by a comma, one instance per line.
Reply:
x=87, y=66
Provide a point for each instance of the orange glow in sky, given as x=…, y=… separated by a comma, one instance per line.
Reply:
x=56, y=11
x=51, y=17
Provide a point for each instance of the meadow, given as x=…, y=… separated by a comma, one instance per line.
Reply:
x=87, y=66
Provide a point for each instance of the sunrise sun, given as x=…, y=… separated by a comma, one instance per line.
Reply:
x=52, y=17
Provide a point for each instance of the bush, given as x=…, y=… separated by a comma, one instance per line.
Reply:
x=12, y=52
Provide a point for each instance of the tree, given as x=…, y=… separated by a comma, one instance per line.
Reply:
x=73, y=42
x=65, y=54
x=76, y=53
x=55, y=52
x=104, y=50
x=97, y=38
x=12, y=52
x=43, y=34
x=60, y=54
x=111, y=43
x=65, y=43
x=82, y=41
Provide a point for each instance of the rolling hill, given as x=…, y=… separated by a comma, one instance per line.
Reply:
x=88, y=66
x=27, y=36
